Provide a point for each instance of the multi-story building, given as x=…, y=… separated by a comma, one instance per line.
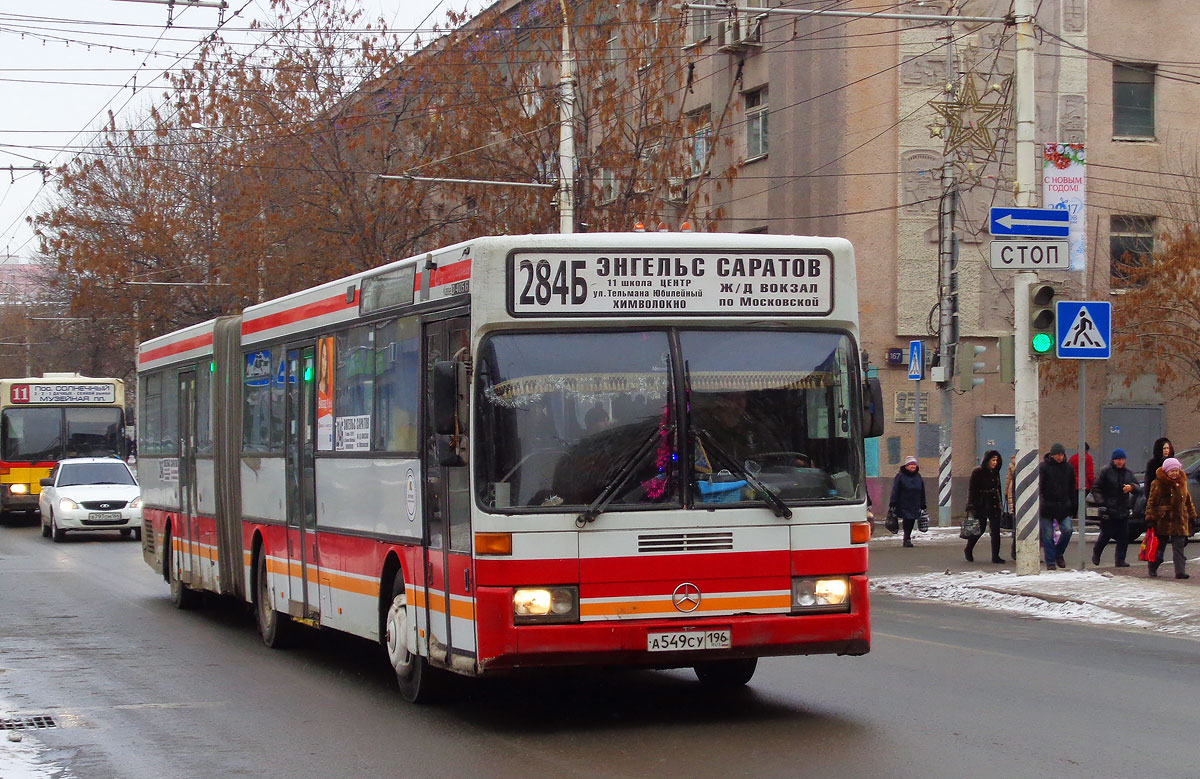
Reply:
x=864, y=127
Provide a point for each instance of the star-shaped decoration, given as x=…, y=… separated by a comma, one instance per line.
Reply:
x=971, y=117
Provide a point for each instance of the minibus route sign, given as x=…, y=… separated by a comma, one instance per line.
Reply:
x=638, y=284
x=63, y=393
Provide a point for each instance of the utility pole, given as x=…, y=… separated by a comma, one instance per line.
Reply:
x=1025, y=487
x=947, y=310
x=566, y=130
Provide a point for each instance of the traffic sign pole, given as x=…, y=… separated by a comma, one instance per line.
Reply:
x=1081, y=475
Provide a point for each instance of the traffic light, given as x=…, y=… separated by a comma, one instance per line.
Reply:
x=966, y=366
x=1007, y=344
x=1041, y=319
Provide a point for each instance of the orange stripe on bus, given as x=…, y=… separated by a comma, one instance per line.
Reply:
x=710, y=603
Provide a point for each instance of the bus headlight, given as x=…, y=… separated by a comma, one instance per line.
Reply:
x=826, y=593
x=66, y=504
x=19, y=489
x=545, y=604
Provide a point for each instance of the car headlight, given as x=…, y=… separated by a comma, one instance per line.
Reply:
x=136, y=503
x=545, y=604
x=66, y=504
x=19, y=489
x=826, y=593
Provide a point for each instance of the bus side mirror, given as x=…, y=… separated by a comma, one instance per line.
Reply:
x=445, y=396
x=872, y=409
x=451, y=380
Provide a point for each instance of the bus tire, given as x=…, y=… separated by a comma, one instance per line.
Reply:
x=418, y=681
x=276, y=628
x=726, y=674
x=182, y=596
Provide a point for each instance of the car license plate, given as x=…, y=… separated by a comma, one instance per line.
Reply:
x=688, y=640
x=105, y=516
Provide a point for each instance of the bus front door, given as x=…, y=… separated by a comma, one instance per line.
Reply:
x=299, y=464
x=186, y=532
x=448, y=585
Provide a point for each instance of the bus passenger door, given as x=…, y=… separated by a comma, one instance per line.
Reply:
x=299, y=464
x=186, y=533
x=449, y=582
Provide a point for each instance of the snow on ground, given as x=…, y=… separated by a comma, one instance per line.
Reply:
x=22, y=759
x=1081, y=596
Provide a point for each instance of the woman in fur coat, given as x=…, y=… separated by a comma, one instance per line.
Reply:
x=1170, y=510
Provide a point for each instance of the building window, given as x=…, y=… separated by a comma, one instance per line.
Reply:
x=1130, y=243
x=756, y=124
x=1133, y=101
x=700, y=141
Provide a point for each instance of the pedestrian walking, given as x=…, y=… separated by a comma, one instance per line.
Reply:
x=1162, y=449
x=1170, y=511
x=1010, y=499
x=1090, y=475
x=1055, y=479
x=908, y=496
x=1116, y=491
x=983, y=503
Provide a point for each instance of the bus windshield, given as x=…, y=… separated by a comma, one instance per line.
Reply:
x=49, y=434
x=561, y=415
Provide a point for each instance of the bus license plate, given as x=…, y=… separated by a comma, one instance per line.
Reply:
x=688, y=640
x=105, y=516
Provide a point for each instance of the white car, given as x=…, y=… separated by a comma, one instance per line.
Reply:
x=89, y=494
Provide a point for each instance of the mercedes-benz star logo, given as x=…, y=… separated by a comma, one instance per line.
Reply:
x=686, y=597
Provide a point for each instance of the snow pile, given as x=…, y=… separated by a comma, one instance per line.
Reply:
x=1081, y=596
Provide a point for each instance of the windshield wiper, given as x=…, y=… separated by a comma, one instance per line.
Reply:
x=772, y=500
x=627, y=468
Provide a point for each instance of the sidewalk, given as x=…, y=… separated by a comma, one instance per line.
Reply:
x=936, y=569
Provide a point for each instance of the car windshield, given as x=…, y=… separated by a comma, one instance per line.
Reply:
x=72, y=474
x=562, y=416
x=1188, y=458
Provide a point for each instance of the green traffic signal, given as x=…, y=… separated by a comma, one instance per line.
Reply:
x=1042, y=343
x=1041, y=318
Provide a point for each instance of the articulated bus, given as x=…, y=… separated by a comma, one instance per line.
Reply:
x=524, y=451
x=44, y=419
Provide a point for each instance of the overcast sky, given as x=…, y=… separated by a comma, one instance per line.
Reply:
x=55, y=88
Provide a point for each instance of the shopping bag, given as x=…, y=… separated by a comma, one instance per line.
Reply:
x=1149, y=548
x=971, y=528
x=923, y=521
x=892, y=522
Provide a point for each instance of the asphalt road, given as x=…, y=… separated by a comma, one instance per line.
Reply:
x=88, y=636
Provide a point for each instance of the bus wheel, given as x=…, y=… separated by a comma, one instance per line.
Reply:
x=726, y=673
x=276, y=628
x=56, y=533
x=183, y=596
x=418, y=681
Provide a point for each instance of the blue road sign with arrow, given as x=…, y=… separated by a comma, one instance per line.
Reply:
x=1033, y=222
x=1083, y=330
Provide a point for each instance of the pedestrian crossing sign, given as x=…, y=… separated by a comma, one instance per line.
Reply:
x=1083, y=330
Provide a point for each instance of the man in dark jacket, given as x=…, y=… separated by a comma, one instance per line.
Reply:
x=1116, y=491
x=1056, y=477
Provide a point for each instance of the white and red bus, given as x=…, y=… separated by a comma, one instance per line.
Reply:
x=522, y=451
